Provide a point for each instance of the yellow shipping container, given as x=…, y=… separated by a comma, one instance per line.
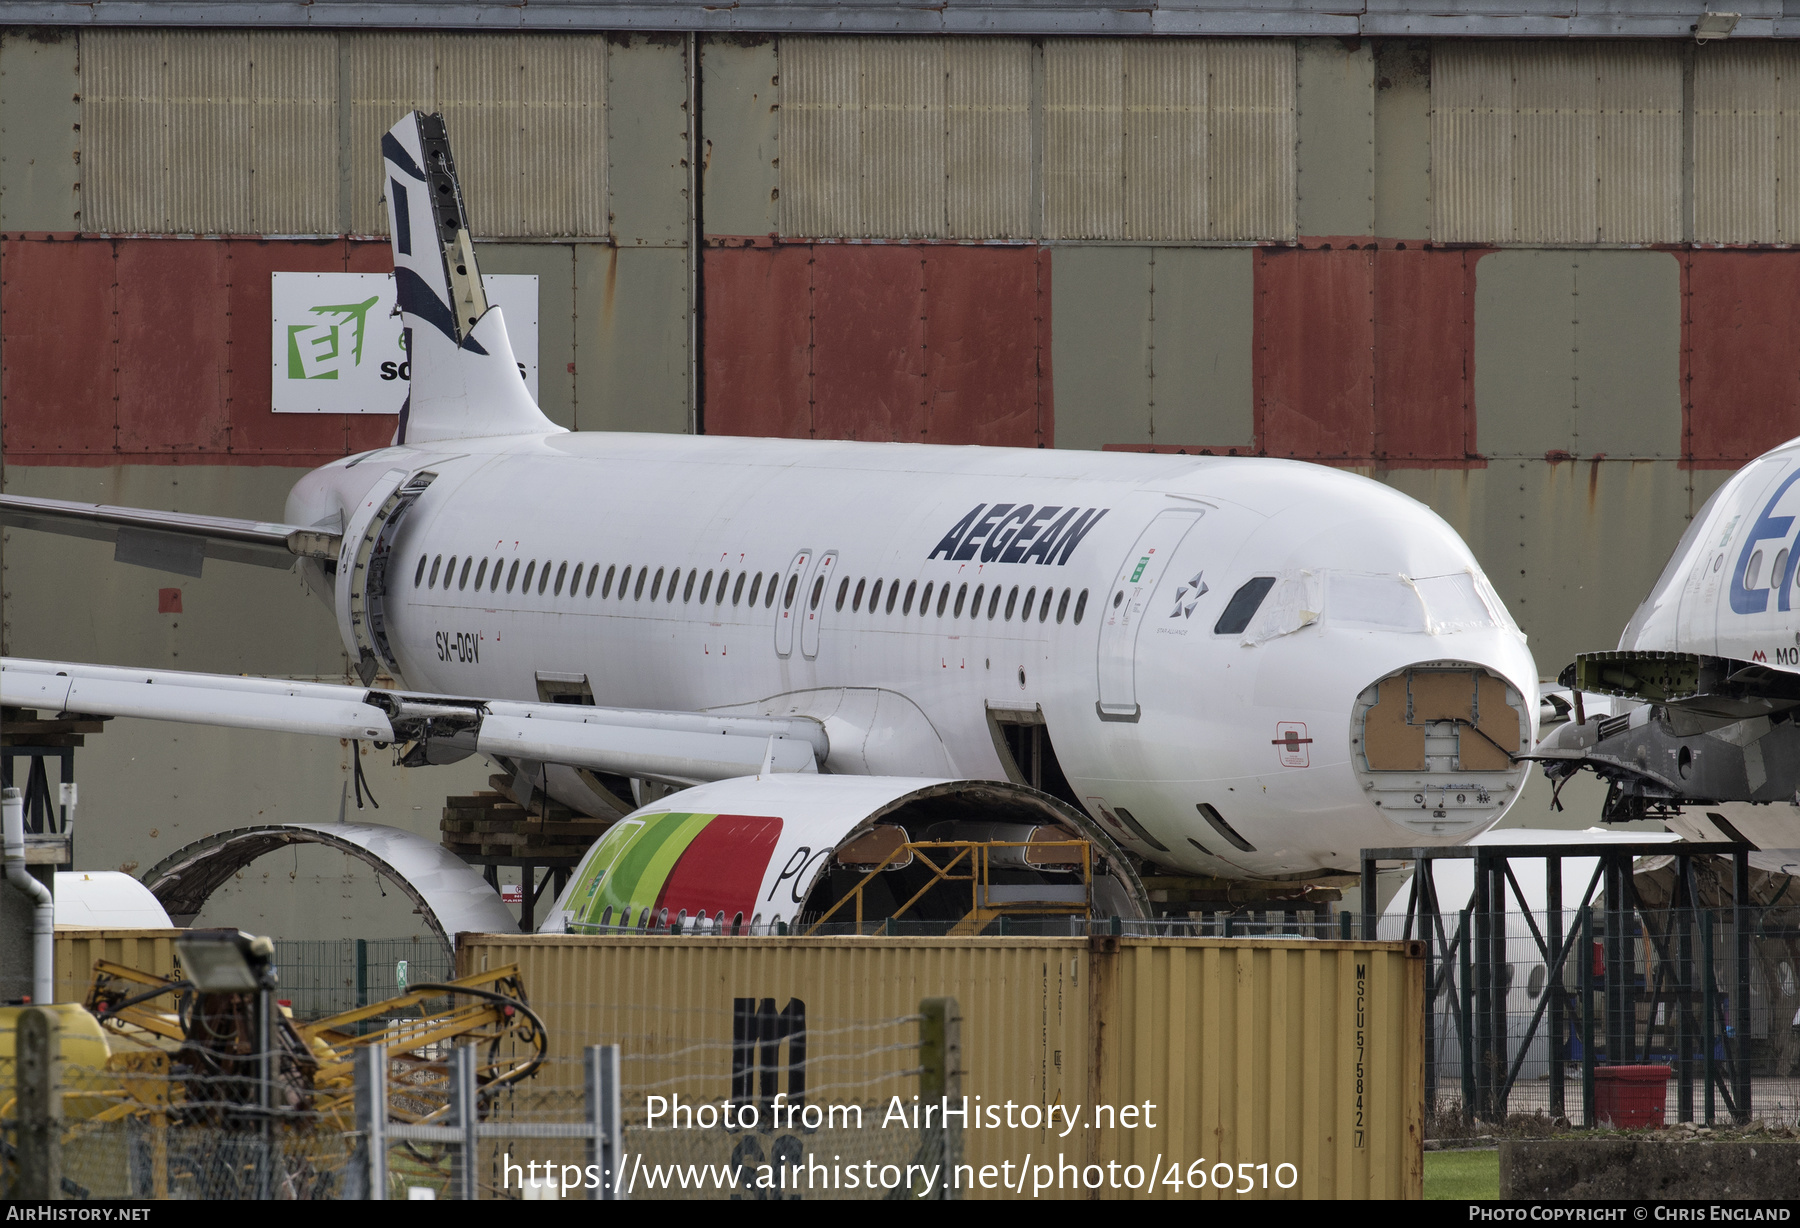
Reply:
x=1295, y=1063
x=77, y=948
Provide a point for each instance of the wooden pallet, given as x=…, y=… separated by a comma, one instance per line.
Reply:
x=491, y=825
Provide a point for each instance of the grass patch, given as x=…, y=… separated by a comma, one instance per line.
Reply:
x=1462, y=1175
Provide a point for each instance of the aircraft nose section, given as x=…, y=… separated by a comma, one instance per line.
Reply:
x=1434, y=745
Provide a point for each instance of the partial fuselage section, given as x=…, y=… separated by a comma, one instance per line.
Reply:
x=1240, y=667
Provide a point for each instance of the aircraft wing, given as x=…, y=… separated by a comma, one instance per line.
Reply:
x=170, y=541
x=677, y=747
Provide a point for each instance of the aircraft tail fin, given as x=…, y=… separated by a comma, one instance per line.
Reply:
x=465, y=381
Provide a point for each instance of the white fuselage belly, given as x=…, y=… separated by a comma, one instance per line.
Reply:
x=907, y=694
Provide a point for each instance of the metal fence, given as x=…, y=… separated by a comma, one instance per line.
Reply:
x=326, y=977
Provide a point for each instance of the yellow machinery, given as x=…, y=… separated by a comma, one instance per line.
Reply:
x=950, y=863
x=174, y=1057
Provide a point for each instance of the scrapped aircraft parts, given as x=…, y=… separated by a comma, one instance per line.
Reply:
x=675, y=747
x=760, y=855
x=451, y=897
x=1706, y=731
x=1438, y=745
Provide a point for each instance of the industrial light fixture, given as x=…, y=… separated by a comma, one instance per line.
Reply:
x=1715, y=25
x=225, y=961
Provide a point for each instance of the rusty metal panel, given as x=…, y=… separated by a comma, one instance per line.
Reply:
x=260, y=436
x=58, y=394
x=741, y=178
x=1525, y=353
x=173, y=346
x=1201, y=333
x=1424, y=356
x=1746, y=124
x=78, y=948
x=1740, y=332
x=988, y=152
x=868, y=328
x=986, y=345
x=1571, y=545
x=210, y=132
x=1334, y=174
x=1402, y=121
x=1101, y=343
x=526, y=116
x=40, y=131
x=1251, y=1050
x=759, y=341
x=1169, y=140
x=646, y=145
x=1556, y=143
x=631, y=338
x=1314, y=353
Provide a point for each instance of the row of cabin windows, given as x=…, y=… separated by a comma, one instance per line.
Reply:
x=457, y=572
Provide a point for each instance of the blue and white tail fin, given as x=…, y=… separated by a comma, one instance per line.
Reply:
x=466, y=382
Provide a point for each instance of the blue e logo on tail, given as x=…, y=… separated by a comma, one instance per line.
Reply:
x=1755, y=601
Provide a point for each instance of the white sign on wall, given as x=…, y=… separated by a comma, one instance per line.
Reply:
x=337, y=346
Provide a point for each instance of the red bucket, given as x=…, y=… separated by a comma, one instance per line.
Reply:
x=1631, y=1097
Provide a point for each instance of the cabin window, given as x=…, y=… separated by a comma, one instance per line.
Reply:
x=1030, y=598
x=720, y=598
x=975, y=605
x=594, y=578
x=525, y=584
x=435, y=564
x=419, y=575
x=844, y=590
x=1062, y=607
x=943, y=599
x=1753, y=573
x=575, y=580
x=769, y=597
x=480, y=575
x=494, y=584
x=906, y=606
x=637, y=594
x=925, y=599
x=1080, y=606
x=624, y=580
x=687, y=592
x=875, y=595
x=856, y=601
x=462, y=581
x=818, y=591
x=961, y=595
x=706, y=588
x=755, y=586
x=656, y=584
x=994, y=603
x=544, y=577
x=1779, y=571
x=1011, y=600
x=449, y=572
x=512, y=575
x=1044, y=605
x=1243, y=606
x=738, y=590
x=787, y=601
x=893, y=593
x=561, y=574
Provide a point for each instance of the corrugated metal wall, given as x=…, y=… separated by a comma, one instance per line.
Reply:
x=1260, y=1051
x=1747, y=144
x=1556, y=143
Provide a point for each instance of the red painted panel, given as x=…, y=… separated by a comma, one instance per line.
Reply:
x=256, y=430
x=1740, y=329
x=1424, y=356
x=982, y=346
x=56, y=337
x=721, y=870
x=173, y=351
x=758, y=341
x=868, y=306
x=1313, y=356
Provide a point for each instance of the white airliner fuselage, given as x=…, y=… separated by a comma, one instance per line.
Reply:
x=900, y=592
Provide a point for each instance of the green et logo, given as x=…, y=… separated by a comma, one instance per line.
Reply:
x=316, y=351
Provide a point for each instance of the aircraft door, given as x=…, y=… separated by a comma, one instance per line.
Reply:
x=788, y=603
x=817, y=593
x=1127, y=602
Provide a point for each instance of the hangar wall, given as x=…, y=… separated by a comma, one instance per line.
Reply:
x=1543, y=286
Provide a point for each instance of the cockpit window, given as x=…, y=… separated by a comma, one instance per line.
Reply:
x=1243, y=606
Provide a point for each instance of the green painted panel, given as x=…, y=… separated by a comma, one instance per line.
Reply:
x=1571, y=546
x=1525, y=354
x=1100, y=345
x=1201, y=389
x=637, y=876
x=40, y=119
x=631, y=339
x=1628, y=353
x=646, y=142
x=1335, y=158
x=1403, y=139
x=553, y=264
x=741, y=128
